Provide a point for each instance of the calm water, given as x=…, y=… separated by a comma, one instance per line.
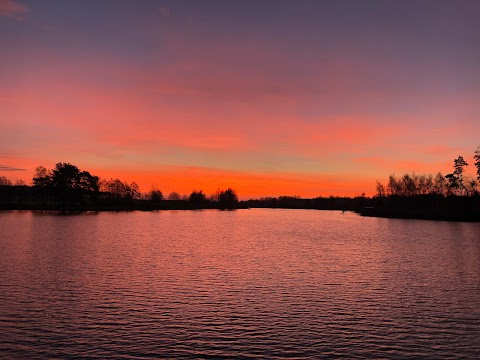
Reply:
x=243, y=284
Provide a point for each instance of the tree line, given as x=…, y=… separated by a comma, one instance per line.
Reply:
x=455, y=196
x=456, y=183
x=68, y=188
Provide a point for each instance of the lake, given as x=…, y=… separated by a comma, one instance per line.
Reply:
x=239, y=284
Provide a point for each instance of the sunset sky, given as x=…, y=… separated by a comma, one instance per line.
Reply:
x=269, y=97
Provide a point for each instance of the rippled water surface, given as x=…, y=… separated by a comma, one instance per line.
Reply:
x=243, y=284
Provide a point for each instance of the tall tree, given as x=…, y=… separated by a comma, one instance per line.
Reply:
x=42, y=176
x=42, y=182
x=64, y=179
x=380, y=189
x=439, y=184
x=89, y=182
x=134, y=190
x=459, y=165
x=393, y=186
x=456, y=178
x=71, y=185
x=409, y=188
x=477, y=161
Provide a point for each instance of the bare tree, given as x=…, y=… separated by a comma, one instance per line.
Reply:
x=477, y=161
x=380, y=189
x=459, y=164
x=4, y=181
x=439, y=184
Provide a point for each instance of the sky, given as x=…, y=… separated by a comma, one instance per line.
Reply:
x=303, y=98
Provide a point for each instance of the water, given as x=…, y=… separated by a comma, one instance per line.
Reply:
x=243, y=284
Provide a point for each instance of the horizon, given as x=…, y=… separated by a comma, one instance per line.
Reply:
x=210, y=193
x=274, y=98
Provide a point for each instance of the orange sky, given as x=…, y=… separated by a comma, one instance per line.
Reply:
x=278, y=98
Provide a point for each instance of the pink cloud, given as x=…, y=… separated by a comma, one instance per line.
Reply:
x=398, y=166
x=165, y=12
x=191, y=113
x=11, y=8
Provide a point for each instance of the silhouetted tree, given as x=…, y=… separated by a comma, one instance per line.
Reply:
x=174, y=196
x=439, y=184
x=459, y=165
x=228, y=199
x=477, y=161
x=42, y=177
x=380, y=189
x=197, y=199
x=120, y=189
x=456, y=178
x=114, y=187
x=88, y=182
x=393, y=187
x=408, y=185
x=69, y=184
x=424, y=184
x=453, y=184
x=64, y=182
x=413, y=185
x=134, y=190
x=65, y=175
x=42, y=182
x=155, y=195
x=429, y=184
x=4, y=181
x=471, y=186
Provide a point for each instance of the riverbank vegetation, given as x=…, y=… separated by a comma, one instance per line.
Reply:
x=66, y=188
x=455, y=196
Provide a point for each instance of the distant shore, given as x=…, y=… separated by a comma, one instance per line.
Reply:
x=454, y=214
x=424, y=206
x=422, y=214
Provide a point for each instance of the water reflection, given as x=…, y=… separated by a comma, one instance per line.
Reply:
x=273, y=283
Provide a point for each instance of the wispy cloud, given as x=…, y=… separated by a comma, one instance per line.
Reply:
x=10, y=168
x=165, y=11
x=11, y=8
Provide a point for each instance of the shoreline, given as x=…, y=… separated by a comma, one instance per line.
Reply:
x=451, y=215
